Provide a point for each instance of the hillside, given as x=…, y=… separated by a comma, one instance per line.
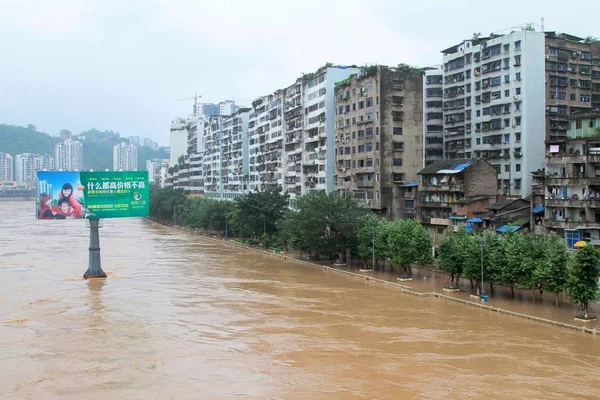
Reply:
x=97, y=145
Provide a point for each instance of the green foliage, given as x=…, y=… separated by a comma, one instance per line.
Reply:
x=323, y=224
x=207, y=214
x=181, y=160
x=408, y=243
x=373, y=228
x=368, y=70
x=164, y=202
x=18, y=139
x=409, y=68
x=258, y=212
x=582, y=280
x=551, y=268
x=345, y=82
x=450, y=258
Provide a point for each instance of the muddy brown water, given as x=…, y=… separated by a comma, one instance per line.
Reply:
x=180, y=317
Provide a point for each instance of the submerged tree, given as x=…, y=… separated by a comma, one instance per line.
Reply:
x=582, y=280
x=408, y=243
x=551, y=268
x=371, y=239
x=450, y=258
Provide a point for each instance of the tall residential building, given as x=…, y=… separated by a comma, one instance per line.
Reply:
x=378, y=136
x=44, y=162
x=227, y=107
x=65, y=134
x=494, y=90
x=265, y=132
x=195, y=153
x=25, y=168
x=6, y=167
x=212, y=157
x=572, y=81
x=150, y=143
x=433, y=115
x=207, y=110
x=68, y=155
x=566, y=195
x=135, y=140
x=178, y=140
x=125, y=157
x=293, y=123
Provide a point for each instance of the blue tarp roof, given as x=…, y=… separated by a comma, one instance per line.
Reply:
x=475, y=220
x=469, y=228
x=412, y=184
x=508, y=228
x=456, y=217
x=538, y=210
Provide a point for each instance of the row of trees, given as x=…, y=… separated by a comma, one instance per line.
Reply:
x=334, y=227
x=521, y=260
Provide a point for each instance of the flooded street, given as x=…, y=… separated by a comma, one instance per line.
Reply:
x=180, y=317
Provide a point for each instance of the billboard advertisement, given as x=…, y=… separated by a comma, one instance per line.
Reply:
x=92, y=194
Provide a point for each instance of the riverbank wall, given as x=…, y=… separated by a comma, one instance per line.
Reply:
x=393, y=285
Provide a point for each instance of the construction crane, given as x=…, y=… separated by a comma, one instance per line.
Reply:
x=195, y=98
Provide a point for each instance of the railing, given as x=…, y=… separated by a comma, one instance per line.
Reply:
x=573, y=203
x=441, y=188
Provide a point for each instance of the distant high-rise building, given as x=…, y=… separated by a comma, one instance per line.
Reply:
x=135, y=140
x=153, y=166
x=25, y=168
x=68, y=155
x=178, y=140
x=150, y=143
x=227, y=107
x=65, y=134
x=125, y=157
x=208, y=109
x=44, y=162
x=6, y=167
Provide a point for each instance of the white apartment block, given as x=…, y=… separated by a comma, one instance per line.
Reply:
x=177, y=140
x=234, y=155
x=293, y=145
x=212, y=157
x=265, y=131
x=433, y=116
x=227, y=107
x=44, y=162
x=195, y=155
x=68, y=155
x=6, y=167
x=25, y=168
x=494, y=105
x=125, y=157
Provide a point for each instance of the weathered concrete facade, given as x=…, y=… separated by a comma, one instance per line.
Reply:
x=378, y=136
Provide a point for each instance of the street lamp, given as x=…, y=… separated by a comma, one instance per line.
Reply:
x=373, y=250
x=481, y=246
x=225, y=226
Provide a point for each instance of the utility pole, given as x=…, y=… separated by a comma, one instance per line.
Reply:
x=225, y=226
x=373, y=250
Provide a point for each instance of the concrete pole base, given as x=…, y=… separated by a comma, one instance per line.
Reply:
x=95, y=265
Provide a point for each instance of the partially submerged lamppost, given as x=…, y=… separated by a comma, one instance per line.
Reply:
x=92, y=195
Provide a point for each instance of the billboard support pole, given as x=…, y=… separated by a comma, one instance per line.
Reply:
x=95, y=267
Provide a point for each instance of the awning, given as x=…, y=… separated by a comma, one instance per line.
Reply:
x=476, y=220
x=469, y=228
x=458, y=217
x=538, y=209
x=412, y=184
x=508, y=228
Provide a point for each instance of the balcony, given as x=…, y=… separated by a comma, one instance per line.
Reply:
x=441, y=188
x=364, y=183
x=573, y=203
x=569, y=224
x=575, y=181
x=435, y=204
x=566, y=159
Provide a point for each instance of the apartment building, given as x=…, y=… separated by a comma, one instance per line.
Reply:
x=446, y=183
x=25, y=168
x=6, y=167
x=569, y=185
x=125, y=157
x=44, y=162
x=212, y=157
x=433, y=115
x=494, y=91
x=378, y=136
x=293, y=150
x=178, y=140
x=195, y=154
x=265, y=145
x=572, y=81
x=234, y=165
x=154, y=166
x=68, y=155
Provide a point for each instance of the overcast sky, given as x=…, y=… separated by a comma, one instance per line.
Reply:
x=123, y=64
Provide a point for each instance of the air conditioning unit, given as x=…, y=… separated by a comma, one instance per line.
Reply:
x=514, y=125
x=516, y=97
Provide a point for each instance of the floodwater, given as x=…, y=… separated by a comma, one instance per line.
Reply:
x=180, y=317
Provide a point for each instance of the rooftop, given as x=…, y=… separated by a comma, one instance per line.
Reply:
x=447, y=166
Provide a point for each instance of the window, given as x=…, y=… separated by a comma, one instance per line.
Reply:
x=369, y=102
x=361, y=163
x=369, y=147
x=496, y=80
x=397, y=162
x=347, y=150
x=517, y=136
x=507, y=138
x=506, y=63
x=517, y=61
x=506, y=78
x=518, y=76
x=517, y=121
x=361, y=134
x=553, y=51
x=409, y=204
x=572, y=238
x=578, y=124
x=398, y=146
x=376, y=130
x=584, y=98
x=478, y=113
x=518, y=91
x=506, y=122
x=573, y=97
x=361, y=148
x=506, y=46
x=369, y=132
x=517, y=106
x=353, y=106
x=361, y=105
x=369, y=163
x=478, y=141
x=397, y=131
x=353, y=135
x=518, y=45
x=518, y=169
x=518, y=183
x=507, y=93
x=353, y=149
x=377, y=146
x=353, y=120
x=507, y=168
x=592, y=123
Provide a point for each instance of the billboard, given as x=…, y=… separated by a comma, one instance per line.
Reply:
x=92, y=194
